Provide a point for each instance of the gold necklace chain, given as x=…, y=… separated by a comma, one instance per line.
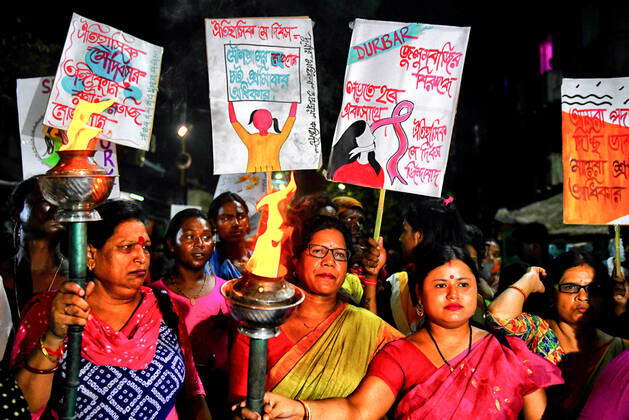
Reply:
x=192, y=299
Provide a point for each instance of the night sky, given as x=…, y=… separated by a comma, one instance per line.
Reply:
x=507, y=122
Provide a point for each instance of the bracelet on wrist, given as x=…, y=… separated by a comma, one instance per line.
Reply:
x=39, y=371
x=307, y=415
x=53, y=355
x=519, y=290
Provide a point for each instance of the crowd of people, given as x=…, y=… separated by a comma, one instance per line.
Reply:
x=462, y=325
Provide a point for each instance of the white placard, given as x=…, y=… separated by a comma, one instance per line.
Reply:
x=400, y=94
x=99, y=62
x=262, y=69
x=595, y=152
x=37, y=159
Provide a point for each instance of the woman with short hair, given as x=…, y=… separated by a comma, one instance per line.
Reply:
x=325, y=346
x=229, y=217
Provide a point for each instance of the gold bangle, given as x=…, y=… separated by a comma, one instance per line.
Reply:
x=53, y=356
x=519, y=290
x=307, y=415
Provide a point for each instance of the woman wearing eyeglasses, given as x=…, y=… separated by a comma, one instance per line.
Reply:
x=325, y=347
x=577, y=290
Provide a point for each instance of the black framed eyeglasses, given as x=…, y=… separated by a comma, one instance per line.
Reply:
x=320, y=251
x=573, y=288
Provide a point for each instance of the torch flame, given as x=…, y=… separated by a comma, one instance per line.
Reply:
x=79, y=132
x=265, y=260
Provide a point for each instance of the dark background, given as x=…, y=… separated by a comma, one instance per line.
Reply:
x=508, y=120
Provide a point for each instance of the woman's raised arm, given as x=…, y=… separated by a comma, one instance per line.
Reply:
x=232, y=112
x=509, y=303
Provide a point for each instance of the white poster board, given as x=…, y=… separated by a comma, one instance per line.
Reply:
x=261, y=69
x=99, y=62
x=400, y=94
x=37, y=159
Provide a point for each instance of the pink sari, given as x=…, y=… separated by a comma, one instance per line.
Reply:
x=489, y=383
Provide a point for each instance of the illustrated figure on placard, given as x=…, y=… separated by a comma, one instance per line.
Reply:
x=263, y=147
x=354, y=158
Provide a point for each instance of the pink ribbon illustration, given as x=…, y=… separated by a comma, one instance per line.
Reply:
x=396, y=119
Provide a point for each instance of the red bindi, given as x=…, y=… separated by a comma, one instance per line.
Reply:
x=141, y=240
x=451, y=277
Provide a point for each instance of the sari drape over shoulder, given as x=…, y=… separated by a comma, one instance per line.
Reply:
x=404, y=314
x=580, y=370
x=490, y=382
x=328, y=362
x=580, y=373
x=331, y=360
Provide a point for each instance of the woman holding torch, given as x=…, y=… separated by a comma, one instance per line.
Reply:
x=325, y=345
x=135, y=358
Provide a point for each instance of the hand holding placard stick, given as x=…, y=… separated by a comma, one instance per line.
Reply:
x=617, y=266
x=382, y=139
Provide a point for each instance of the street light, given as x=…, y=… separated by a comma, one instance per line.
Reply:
x=182, y=131
x=184, y=160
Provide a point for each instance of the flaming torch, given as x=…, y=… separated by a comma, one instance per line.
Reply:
x=261, y=300
x=77, y=185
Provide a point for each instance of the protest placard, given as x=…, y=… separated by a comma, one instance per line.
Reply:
x=400, y=94
x=99, y=62
x=595, y=131
x=263, y=94
x=38, y=155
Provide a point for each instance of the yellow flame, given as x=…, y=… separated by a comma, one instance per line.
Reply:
x=79, y=132
x=265, y=261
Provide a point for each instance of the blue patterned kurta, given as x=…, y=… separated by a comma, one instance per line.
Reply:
x=111, y=392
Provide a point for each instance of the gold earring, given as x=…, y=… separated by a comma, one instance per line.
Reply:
x=419, y=309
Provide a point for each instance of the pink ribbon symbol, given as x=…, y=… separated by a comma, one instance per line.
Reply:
x=396, y=119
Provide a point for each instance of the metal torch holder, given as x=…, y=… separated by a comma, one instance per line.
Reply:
x=260, y=305
x=76, y=185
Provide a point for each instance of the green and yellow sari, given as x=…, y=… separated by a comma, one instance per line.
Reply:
x=332, y=359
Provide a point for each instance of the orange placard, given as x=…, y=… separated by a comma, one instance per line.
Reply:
x=595, y=127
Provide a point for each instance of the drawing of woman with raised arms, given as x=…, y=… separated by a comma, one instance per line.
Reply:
x=263, y=147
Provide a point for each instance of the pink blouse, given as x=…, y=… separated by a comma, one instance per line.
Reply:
x=206, y=322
